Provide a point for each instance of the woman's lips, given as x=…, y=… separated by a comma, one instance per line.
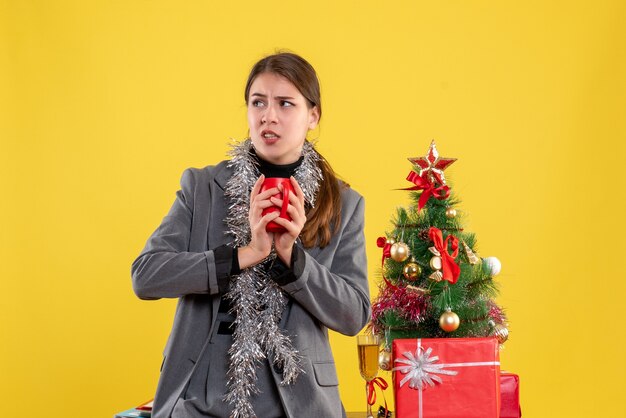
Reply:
x=269, y=137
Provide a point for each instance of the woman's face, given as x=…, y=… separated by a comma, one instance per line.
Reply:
x=278, y=117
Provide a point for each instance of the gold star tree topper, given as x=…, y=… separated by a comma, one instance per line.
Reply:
x=431, y=165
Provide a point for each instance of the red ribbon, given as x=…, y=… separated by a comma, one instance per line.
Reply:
x=382, y=243
x=450, y=269
x=421, y=183
x=371, y=390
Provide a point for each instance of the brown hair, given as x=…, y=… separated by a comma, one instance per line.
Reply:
x=323, y=219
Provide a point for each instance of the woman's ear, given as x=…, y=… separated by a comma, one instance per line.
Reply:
x=314, y=117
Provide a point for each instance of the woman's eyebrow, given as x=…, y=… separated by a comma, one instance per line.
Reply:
x=277, y=97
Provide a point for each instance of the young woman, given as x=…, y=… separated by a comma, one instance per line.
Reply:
x=250, y=334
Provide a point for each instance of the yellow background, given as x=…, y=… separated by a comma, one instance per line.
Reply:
x=103, y=104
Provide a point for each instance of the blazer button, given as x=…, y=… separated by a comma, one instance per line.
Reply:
x=278, y=368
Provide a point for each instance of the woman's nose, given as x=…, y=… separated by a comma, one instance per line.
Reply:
x=269, y=115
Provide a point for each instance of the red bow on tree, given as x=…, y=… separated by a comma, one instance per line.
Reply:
x=422, y=183
x=382, y=243
x=449, y=268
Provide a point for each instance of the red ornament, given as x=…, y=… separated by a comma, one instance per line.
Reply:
x=451, y=270
x=385, y=244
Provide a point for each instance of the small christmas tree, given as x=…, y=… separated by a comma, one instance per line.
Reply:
x=434, y=285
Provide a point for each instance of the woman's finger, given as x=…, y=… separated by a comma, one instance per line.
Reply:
x=262, y=204
x=296, y=216
x=298, y=206
x=267, y=218
x=257, y=226
x=296, y=213
x=297, y=188
x=297, y=201
x=291, y=227
x=277, y=202
x=265, y=194
x=257, y=186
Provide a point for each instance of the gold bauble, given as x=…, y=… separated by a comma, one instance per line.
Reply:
x=400, y=252
x=411, y=270
x=501, y=333
x=435, y=263
x=384, y=360
x=390, y=241
x=451, y=213
x=449, y=321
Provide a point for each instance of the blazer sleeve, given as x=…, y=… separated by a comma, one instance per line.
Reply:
x=338, y=297
x=166, y=268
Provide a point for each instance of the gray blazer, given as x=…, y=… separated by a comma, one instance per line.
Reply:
x=332, y=292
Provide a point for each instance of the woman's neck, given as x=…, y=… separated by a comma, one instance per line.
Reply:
x=277, y=170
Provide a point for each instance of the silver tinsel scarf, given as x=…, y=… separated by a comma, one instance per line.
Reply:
x=256, y=300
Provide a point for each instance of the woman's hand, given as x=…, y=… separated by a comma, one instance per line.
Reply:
x=260, y=244
x=283, y=241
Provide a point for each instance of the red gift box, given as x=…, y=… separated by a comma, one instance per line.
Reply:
x=446, y=378
x=509, y=396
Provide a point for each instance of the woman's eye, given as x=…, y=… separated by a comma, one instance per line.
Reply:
x=285, y=103
x=257, y=103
